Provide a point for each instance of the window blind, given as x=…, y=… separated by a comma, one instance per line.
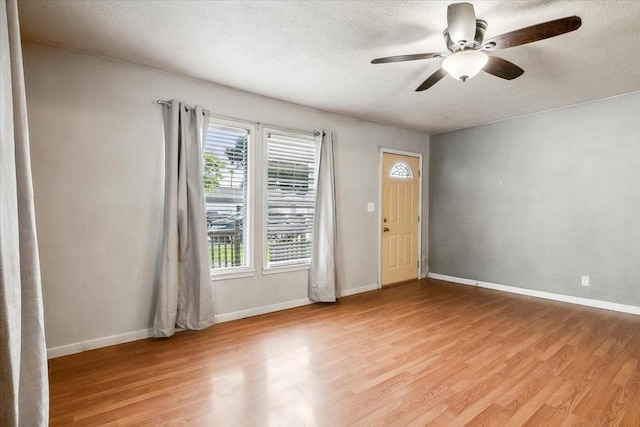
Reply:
x=225, y=156
x=290, y=198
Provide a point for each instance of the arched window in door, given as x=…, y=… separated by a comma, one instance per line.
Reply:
x=401, y=170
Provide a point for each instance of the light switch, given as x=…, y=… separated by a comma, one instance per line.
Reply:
x=370, y=207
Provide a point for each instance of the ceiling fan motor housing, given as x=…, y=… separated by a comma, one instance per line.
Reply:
x=481, y=28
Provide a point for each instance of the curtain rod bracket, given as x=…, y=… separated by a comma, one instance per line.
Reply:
x=187, y=107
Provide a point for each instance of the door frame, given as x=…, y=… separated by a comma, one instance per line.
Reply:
x=384, y=150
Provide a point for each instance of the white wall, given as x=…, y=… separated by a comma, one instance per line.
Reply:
x=96, y=141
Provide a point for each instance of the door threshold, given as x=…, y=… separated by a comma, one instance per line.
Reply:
x=402, y=282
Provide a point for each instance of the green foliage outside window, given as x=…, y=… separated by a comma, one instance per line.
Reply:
x=212, y=172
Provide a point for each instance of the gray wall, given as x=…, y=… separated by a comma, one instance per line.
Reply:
x=538, y=201
x=97, y=157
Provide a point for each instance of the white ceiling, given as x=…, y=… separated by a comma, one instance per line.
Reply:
x=318, y=53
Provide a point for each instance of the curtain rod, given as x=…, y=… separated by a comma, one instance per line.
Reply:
x=276, y=128
x=268, y=125
x=188, y=107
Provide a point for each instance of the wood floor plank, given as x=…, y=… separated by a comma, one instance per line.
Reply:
x=422, y=353
x=547, y=416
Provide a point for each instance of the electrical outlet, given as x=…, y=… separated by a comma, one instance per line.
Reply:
x=585, y=281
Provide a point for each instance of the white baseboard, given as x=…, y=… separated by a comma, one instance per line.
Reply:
x=64, y=350
x=81, y=346
x=359, y=290
x=623, y=308
x=226, y=317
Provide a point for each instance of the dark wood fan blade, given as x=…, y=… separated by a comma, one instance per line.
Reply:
x=502, y=68
x=534, y=33
x=402, y=58
x=433, y=79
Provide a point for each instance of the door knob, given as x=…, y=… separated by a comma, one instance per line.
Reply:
x=384, y=220
x=385, y=229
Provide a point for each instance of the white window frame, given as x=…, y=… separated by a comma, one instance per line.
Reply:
x=249, y=269
x=284, y=266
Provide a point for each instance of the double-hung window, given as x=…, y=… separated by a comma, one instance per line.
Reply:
x=290, y=165
x=226, y=158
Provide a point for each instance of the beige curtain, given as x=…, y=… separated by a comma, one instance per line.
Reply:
x=24, y=389
x=184, y=290
x=323, y=286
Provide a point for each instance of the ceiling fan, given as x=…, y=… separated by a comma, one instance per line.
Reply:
x=464, y=37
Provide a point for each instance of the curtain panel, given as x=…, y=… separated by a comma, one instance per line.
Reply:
x=185, y=297
x=323, y=285
x=24, y=385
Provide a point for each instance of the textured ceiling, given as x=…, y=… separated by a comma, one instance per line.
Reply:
x=318, y=53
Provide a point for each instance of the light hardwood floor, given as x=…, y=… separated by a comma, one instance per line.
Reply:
x=423, y=353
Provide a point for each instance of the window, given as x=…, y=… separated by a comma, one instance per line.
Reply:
x=226, y=158
x=290, y=197
x=401, y=170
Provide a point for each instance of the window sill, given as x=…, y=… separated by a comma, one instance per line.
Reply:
x=285, y=268
x=236, y=274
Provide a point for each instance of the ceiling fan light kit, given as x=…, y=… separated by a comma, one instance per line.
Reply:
x=465, y=64
x=464, y=37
